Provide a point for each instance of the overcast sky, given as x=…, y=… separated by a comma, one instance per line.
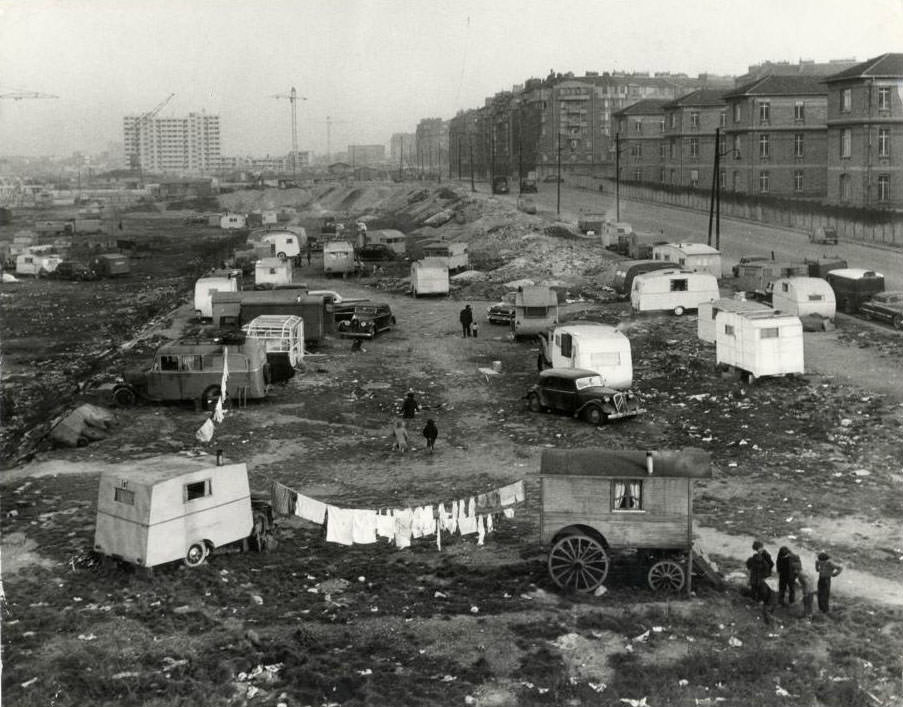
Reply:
x=373, y=66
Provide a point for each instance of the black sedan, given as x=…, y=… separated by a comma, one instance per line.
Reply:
x=373, y=252
x=501, y=312
x=581, y=393
x=73, y=270
x=367, y=321
x=885, y=307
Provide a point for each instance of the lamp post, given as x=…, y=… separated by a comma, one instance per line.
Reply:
x=715, y=201
x=558, y=179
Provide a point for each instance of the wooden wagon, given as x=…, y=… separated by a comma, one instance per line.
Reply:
x=599, y=502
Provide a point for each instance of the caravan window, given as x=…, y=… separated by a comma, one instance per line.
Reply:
x=816, y=298
x=124, y=496
x=679, y=285
x=289, y=240
x=195, y=490
x=729, y=329
x=535, y=312
x=565, y=345
x=785, y=287
x=627, y=495
x=769, y=333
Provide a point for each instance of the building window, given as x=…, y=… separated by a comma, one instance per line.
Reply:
x=661, y=175
x=673, y=176
x=846, y=100
x=884, y=98
x=694, y=147
x=736, y=181
x=799, y=112
x=679, y=285
x=763, y=181
x=196, y=490
x=737, y=113
x=722, y=144
x=736, y=146
x=722, y=178
x=763, y=147
x=627, y=495
x=769, y=333
x=846, y=139
x=638, y=127
x=694, y=120
x=883, y=142
x=722, y=118
x=694, y=177
x=124, y=496
x=662, y=151
x=798, y=145
x=883, y=187
x=671, y=149
x=764, y=112
x=661, y=126
x=844, y=187
x=638, y=174
x=672, y=120
x=797, y=180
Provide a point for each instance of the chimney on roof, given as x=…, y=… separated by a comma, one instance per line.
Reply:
x=649, y=463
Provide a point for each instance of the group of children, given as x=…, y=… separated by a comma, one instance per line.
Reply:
x=409, y=408
x=790, y=575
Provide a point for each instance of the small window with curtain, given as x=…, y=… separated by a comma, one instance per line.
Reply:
x=125, y=496
x=769, y=333
x=627, y=495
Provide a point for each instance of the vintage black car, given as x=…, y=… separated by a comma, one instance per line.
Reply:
x=367, y=321
x=500, y=185
x=375, y=252
x=581, y=393
x=73, y=270
x=885, y=307
x=501, y=312
x=528, y=186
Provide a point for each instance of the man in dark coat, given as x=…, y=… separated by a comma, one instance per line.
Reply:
x=788, y=564
x=410, y=406
x=759, y=566
x=466, y=319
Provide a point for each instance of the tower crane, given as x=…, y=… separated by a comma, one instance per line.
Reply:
x=143, y=120
x=157, y=108
x=293, y=97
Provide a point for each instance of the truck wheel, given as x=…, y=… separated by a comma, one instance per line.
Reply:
x=210, y=396
x=196, y=554
x=124, y=396
x=678, y=311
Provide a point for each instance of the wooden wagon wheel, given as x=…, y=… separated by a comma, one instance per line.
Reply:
x=666, y=576
x=578, y=563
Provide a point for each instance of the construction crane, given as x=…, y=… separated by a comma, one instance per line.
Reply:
x=143, y=120
x=19, y=95
x=293, y=99
x=157, y=108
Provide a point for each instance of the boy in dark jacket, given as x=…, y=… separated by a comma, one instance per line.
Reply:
x=430, y=431
x=826, y=570
x=759, y=566
x=788, y=564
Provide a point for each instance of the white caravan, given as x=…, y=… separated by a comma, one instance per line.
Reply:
x=272, y=272
x=705, y=328
x=285, y=244
x=594, y=347
x=804, y=296
x=672, y=290
x=203, y=293
x=429, y=277
x=757, y=344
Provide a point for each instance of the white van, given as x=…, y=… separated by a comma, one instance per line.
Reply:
x=674, y=290
x=594, y=347
x=705, y=328
x=338, y=258
x=36, y=265
x=429, y=277
x=272, y=272
x=286, y=244
x=804, y=296
x=766, y=343
x=455, y=255
x=172, y=508
x=203, y=293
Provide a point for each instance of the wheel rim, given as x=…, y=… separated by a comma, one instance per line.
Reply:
x=594, y=416
x=578, y=563
x=124, y=397
x=666, y=576
x=678, y=311
x=196, y=555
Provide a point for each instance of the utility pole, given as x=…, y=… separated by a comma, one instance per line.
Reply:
x=558, y=180
x=401, y=161
x=470, y=145
x=617, y=176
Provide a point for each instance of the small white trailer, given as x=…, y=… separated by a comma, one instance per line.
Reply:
x=429, y=277
x=757, y=344
x=594, y=347
x=396, y=240
x=535, y=310
x=455, y=255
x=677, y=291
x=705, y=327
x=36, y=264
x=203, y=293
x=804, y=296
x=339, y=258
x=272, y=272
x=285, y=244
x=697, y=257
x=283, y=339
x=233, y=222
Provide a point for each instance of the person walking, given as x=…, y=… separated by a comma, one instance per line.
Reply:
x=759, y=566
x=401, y=436
x=466, y=319
x=309, y=249
x=826, y=570
x=788, y=564
x=430, y=431
x=410, y=406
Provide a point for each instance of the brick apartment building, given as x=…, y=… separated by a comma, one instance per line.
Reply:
x=689, y=147
x=639, y=139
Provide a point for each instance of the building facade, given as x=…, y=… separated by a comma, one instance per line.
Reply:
x=173, y=145
x=691, y=124
x=401, y=149
x=639, y=130
x=865, y=134
x=361, y=155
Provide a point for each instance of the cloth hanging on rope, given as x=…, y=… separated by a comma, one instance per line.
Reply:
x=218, y=413
x=339, y=526
x=310, y=509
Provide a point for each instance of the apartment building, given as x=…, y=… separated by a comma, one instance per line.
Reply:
x=431, y=143
x=638, y=132
x=172, y=145
x=402, y=148
x=776, y=136
x=688, y=145
x=865, y=134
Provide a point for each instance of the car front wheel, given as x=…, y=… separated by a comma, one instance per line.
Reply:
x=594, y=416
x=533, y=403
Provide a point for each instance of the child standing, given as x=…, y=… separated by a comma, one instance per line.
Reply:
x=430, y=431
x=401, y=436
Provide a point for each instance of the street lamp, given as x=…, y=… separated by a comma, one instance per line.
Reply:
x=715, y=203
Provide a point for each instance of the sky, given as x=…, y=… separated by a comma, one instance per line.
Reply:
x=370, y=68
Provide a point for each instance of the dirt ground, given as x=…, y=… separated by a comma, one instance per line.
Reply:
x=812, y=462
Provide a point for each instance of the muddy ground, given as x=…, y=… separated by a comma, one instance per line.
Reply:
x=812, y=462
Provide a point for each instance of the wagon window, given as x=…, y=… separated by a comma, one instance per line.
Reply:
x=535, y=312
x=169, y=363
x=785, y=287
x=566, y=345
x=679, y=285
x=198, y=489
x=191, y=362
x=816, y=298
x=729, y=329
x=627, y=495
x=124, y=496
x=769, y=333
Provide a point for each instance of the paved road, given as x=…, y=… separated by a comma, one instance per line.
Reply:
x=737, y=237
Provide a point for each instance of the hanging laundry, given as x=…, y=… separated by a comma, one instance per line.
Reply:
x=363, y=526
x=452, y=524
x=428, y=521
x=472, y=507
x=283, y=499
x=441, y=518
x=481, y=530
x=482, y=500
x=512, y=493
x=508, y=512
x=467, y=521
x=403, y=521
x=438, y=538
x=489, y=524
x=339, y=526
x=385, y=525
x=310, y=509
x=205, y=432
x=417, y=523
x=519, y=493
